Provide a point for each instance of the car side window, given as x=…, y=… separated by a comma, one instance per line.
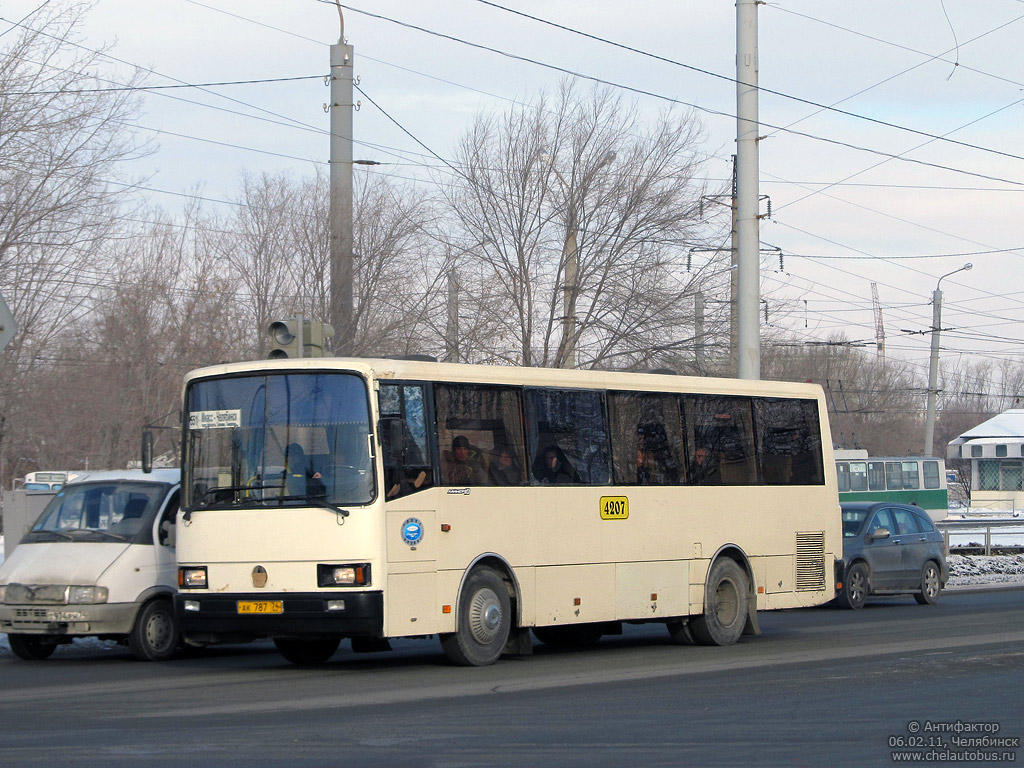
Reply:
x=906, y=520
x=882, y=519
x=924, y=524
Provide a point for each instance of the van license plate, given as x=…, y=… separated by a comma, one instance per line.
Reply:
x=261, y=606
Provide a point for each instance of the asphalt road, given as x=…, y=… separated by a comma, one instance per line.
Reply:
x=818, y=687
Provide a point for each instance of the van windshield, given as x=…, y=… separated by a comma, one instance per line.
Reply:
x=102, y=511
x=278, y=440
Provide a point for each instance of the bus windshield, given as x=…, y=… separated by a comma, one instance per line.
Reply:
x=290, y=439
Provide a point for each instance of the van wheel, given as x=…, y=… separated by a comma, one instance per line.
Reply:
x=32, y=647
x=725, y=605
x=484, y=621
x=155, y=636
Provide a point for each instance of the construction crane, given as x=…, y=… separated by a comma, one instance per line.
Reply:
x=879, y=327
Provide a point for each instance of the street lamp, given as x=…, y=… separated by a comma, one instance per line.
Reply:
x=933, y=364
x=571, y=259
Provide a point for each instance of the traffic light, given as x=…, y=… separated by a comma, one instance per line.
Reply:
x=285, y=338
x=298, y=337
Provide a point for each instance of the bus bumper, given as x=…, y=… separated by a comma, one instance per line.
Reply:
x=213, y=618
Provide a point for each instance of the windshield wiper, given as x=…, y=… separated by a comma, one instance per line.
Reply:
x=117, y=536
x=61, y=534
x=316, y=501
x=222, y=489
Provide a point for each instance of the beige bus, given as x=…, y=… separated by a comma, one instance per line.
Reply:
x=368, y=499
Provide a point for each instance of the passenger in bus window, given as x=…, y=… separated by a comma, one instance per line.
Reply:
x=704, y=468
x=466, y=465
x=504, y=469
x=553, y=467
x=403, y=480
x=655, y=463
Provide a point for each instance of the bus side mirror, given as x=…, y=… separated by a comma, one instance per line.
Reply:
x=147, y=451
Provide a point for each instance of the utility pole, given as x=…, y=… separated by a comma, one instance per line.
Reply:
x=933, y=362
x=451, y=336
x=698, y=331
x=342, y=260
x=734, y=287
x=747, y=197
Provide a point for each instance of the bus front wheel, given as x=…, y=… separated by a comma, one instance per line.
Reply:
x=725, y=605
x=483, y=622
x=307, y=651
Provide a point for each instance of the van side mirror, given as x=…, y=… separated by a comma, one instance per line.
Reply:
x=147, y=451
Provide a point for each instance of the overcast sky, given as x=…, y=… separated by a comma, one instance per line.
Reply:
x=845, y=211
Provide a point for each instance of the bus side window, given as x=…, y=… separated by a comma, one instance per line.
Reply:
x=402, y=436
x=479, y=434
x=568, y=436
x=722, y=430
x=647, y=438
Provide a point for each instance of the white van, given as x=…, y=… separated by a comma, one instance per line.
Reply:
x=99, y=562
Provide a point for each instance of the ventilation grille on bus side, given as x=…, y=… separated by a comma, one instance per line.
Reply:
x=810, y=561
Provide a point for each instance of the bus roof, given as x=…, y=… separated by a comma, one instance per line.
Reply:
x=388, y=368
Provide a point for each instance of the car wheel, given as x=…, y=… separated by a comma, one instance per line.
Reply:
x=307, y=651
x=484, y=621
x=32, y=647
x=725, y=605
x=931, y=584
x=155, y=636
x=856, y=587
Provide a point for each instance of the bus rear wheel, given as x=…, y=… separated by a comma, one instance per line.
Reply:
x=725, y=605
x=32, y=647
x=306, y=651
x=483, y=622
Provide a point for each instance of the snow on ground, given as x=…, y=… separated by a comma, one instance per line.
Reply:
x=979, y=569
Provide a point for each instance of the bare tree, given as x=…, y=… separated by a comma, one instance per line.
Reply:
x=61, y=145
x=575, y=220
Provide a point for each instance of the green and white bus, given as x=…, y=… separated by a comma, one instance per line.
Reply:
x=919, y=480
x=368, y=499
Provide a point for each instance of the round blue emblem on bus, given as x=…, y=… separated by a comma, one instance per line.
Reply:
x=412, y=531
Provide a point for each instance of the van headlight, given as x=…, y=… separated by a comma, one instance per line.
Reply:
x=86, y=595
x=3, y=592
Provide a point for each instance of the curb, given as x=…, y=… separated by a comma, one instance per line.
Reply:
x=992, y=586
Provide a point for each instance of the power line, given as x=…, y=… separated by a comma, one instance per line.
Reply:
x=671, y=100
x=733, y=80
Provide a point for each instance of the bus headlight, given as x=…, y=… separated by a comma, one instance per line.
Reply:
x=82, y=595
x=192, y=577
x=347, y=575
